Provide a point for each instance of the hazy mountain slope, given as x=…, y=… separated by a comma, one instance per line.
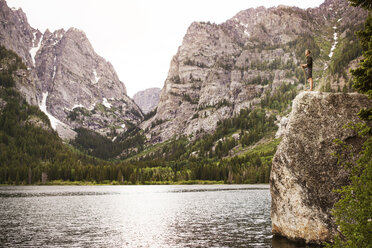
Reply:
x=147, y=99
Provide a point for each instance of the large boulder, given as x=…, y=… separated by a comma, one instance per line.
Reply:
x=305, y=170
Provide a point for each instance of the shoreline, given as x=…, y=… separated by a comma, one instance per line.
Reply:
x=114, y=183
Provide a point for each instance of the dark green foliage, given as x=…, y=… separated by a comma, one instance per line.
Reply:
x=76, y=112
x=185, y=98
x=176, y=79
x=306, y=41
x=95, y=144
x=255, y=122
x=99, y=146
x=260, y=80
x=366, y=4
x=9, y=63
x=365, y=114
x=150, y=114
x=27, y=147
x=225, y=65
x=157, y=122
x=27, y=150
x=195, y=63
x=281, y=98
x=218, y=105
x=299, y=74
x=363, y=74
x=353, y=212
x=348, y=49
x=136, y=113
x=188, y=98
x=73, y=115
x=6, y=80
x=276, y=64
x=10, y=60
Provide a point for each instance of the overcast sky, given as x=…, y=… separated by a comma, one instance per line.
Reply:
x=139, y=37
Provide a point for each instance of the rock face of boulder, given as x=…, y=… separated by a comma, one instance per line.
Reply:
x=305, y=171
x=147, y=99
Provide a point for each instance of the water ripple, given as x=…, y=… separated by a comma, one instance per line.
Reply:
x=136, y=216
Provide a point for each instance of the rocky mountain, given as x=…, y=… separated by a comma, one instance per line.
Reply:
x=304, y=171
x=221, y=69
x=15, y=33
x=73, y=85
x=81, y=88
x=147, y=99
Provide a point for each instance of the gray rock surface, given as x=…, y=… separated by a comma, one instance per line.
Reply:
x=304, y=171
x=16, y=35
x=2, y=104
x=15, y=32
x=221, y=69
x=26, y=84
x=147, y=99
x=282, y=126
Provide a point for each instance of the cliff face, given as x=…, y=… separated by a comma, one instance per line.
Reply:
x=80, y=87
x=66, y=78
x=16, y=34
x=304, y=171
x=220, y=69
x=147, y=99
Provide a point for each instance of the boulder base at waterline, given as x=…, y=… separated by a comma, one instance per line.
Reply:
x=304, y=171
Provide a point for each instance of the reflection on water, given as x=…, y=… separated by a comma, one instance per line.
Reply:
x=137, y=216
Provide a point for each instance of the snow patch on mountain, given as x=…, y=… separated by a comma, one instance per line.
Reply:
x=106, y=103
x=53, y=121
x=96, y=77
x=335, y=42
x=36, y=48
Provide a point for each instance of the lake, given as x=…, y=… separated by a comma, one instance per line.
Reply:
x=137, y=216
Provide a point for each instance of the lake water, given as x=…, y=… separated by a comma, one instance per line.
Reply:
x=137, y=216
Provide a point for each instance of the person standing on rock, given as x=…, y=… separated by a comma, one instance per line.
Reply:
x=309, y=68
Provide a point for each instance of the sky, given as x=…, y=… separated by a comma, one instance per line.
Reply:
x=138, y=37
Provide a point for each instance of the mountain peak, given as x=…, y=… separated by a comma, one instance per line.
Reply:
x=77, y=31
x=147, y=99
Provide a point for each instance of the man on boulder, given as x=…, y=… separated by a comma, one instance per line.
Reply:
x=309, y=68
